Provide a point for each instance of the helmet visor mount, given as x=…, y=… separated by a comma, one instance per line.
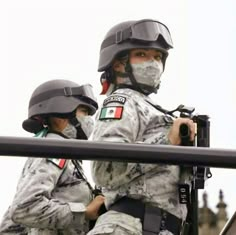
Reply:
x=144, y=30
x=85, y=92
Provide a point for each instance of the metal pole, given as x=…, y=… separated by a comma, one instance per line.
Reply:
x=194, y=212
x=230, y=226
x=145, y=153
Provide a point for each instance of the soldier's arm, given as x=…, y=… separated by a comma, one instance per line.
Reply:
x=114, y=174
x=160, y=136
x=123, y=127
x=128, y=128
x=7, y=226
x=33, y=205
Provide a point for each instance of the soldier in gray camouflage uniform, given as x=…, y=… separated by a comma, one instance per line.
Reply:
x=140, y=198
x=53, y=196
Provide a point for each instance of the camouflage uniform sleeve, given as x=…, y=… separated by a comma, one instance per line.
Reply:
x=7, y=226
x=159, y=137
x=124, y=129
x=33, y=205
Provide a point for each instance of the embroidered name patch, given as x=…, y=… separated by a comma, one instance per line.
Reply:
x=58, y=162
x=114, y=98
x=111, y=113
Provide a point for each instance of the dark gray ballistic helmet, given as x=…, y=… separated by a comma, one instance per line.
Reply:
x=128, y=35
x=58, y=98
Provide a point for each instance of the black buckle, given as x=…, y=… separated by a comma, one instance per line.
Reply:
x=67, y=91
x=119, y=38
x=152, y=220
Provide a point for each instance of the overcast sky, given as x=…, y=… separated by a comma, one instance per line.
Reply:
x=52, y=39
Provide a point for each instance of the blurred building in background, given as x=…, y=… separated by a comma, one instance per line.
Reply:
x=211, y=223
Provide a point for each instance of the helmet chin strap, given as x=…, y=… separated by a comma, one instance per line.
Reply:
x=80, y=133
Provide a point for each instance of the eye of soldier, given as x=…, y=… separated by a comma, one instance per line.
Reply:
x=82, y=109
x=158, y=56
x=140, y=53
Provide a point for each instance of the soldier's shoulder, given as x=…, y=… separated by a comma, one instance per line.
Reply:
x=121, y=97
x=115, y=105
x=57, y=162
x=33, y=164
x=115, y=99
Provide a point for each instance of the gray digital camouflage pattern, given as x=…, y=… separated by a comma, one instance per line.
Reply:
x=156, y=184
x=49, y=200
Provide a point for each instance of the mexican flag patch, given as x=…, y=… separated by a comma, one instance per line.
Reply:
x=111, y=113
x=58, y=162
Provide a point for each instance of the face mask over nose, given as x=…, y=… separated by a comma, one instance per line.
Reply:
x=87, y=125
x=148, y=72
x=79, y=128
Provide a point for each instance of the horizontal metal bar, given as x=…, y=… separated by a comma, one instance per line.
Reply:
x=89, y=150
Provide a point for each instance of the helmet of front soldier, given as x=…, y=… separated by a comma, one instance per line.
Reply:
x=57, y=98
x=145, y=34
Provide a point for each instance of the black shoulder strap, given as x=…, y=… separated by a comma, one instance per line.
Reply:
x=159, y=108
x=81, y=174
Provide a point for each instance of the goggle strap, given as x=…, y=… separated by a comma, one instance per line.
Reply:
x=117, y=38
x=66, y=91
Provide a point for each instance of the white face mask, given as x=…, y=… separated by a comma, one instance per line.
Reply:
x=86, y=123
x=70, y=131
x=148, y=72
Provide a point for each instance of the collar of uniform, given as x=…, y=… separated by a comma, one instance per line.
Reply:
x=128, y=92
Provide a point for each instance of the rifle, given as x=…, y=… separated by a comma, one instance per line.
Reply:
x=199, y=173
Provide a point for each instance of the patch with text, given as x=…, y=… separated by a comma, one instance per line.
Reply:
x=114, y=98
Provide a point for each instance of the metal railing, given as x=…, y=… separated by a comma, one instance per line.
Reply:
x=90, y=150
x=230, y=226
x=110, y=151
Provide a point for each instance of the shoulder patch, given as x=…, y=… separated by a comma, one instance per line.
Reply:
x=110, y=112
x=58, y=162
x=114, y=98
